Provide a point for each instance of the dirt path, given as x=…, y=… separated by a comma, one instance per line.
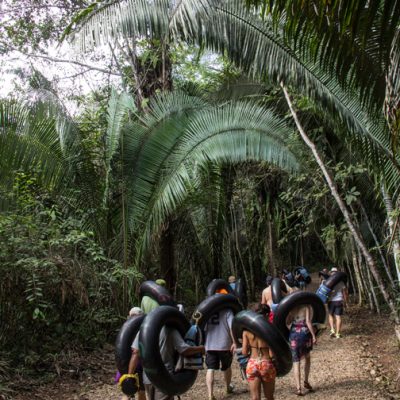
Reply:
x=337, y=373
x=349, y=368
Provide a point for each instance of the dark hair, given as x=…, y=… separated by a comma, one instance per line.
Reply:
x=263, y=309
x=268, y=280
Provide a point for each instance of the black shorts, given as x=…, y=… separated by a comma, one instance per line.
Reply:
x=335, y=307
x=214, y=358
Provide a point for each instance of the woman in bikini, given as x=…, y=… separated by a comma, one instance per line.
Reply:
x=260, y=370
x=301, y=339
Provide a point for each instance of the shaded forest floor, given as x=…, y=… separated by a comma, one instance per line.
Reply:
x=364, y=364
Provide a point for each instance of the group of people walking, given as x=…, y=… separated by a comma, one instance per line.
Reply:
x=220, y=345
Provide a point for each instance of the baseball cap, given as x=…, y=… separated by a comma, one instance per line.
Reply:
x=161, y=282
x=334, y=269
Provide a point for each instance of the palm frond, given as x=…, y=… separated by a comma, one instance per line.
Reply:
x=164, y=177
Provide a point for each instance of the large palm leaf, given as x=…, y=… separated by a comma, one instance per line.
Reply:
x=171, y=142
x=260, y=49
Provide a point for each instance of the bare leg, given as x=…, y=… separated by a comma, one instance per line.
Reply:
x=338, y=323
x=297, y=376
x=331, y=322
x=210, y=383
x=307, y=366
x=269, y=389
x=255, y=389
x=141, y=395
x=228, y=377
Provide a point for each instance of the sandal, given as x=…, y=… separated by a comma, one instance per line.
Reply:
x=308, y=386
x=299, y=392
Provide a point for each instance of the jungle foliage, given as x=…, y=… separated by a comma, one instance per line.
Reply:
x=193, y=168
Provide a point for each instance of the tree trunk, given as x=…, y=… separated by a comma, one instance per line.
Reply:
x=361, y=295
x=167, y=258
x=396, y=245
x=378, y=246
x=357, y=236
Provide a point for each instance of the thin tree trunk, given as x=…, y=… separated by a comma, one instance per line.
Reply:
x=361, y=295
x=364, y=278
x=396, y=245
x=374, y=297
x=378, y=246
x=350, y=272
x=357, y=237
x=167, y=256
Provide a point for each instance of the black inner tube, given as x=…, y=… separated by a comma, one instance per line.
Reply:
x=157, y=292
x=240, y=291
x=124, y=340
x=259, y=326
x=277, y=287
x=213, y=304
x=169, y=383
x=217, y=284
x=334, y=279
x=293, y=300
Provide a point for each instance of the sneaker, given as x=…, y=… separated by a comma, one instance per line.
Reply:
x=229, y=389
x=338, y=336
x=333, y=333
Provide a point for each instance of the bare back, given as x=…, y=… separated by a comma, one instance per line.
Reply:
x=256, y=347
x=266, y=297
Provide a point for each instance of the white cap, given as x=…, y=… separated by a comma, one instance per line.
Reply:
x=334, y=269
x=135, y=311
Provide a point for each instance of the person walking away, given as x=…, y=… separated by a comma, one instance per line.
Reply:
x=323, y=275
x=301, y=340
x=133, y=313
x=219, y=346
x=336, y=305
x=171, y=343
x=266, y=297
x=232, y=282
x=260, y=370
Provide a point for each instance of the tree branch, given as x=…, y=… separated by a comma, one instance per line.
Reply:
x=60, y=60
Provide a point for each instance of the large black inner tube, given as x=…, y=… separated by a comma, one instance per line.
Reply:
x=277, y=287
x=169, y=383
x=218, y=284
x=259, y=326
x=157, y=292
x=124, y=340
x=213, y=304
x=293, y=300
x=240, y=291
x=334, y=279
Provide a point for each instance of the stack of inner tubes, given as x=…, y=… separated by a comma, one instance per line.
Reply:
x=325, y=288
x=157, y=292
x=256, y=324
x=171, y=384
x=213, y=304
x=278, y=287
x=294, y=300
